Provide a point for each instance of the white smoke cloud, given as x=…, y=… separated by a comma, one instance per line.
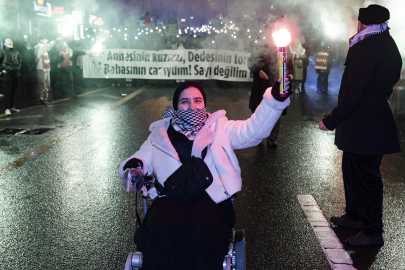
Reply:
x=338, y=18
x=88, y=5
x=5, y=23
x=397, y=22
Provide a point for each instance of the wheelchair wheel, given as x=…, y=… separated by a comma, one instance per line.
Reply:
x=134, y=261
x=240, y=249
x=240, y=255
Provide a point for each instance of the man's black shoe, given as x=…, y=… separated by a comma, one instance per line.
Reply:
x=271, y=143
x=362, y=240
x=345, y=221
x=42, y=102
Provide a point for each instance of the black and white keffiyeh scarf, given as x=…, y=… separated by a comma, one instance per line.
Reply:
x=373, y=29
x=187, y=122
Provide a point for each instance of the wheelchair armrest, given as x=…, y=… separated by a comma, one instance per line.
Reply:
x=149, y=180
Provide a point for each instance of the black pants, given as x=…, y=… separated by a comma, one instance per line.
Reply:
x=296, y=85
x=322, y=83
x=10, y=87
x=77, y=79
x=186, y=237
x=65, y=82
x=364, y=190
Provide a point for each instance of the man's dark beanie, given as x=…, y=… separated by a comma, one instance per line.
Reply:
x=186, y=85
x=373, y=14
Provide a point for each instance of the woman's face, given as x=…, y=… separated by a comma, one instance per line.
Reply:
x=191, y=98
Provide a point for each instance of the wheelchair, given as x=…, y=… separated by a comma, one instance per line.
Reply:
x=235, y=259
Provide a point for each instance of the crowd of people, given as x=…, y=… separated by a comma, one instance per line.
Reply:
x=54, y=69
x=48, y=70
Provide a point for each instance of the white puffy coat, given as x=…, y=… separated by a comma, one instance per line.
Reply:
x=221, y=136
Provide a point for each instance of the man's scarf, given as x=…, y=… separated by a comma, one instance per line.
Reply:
x=187, y=122
x=373, y=29
x=297, y=49
x=62, y=46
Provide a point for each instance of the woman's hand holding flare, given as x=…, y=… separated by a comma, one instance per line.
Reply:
x=275, y=91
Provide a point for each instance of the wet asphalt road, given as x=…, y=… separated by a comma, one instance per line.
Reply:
x=62, y=205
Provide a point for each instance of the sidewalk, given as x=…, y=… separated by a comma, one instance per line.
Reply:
x=22, y=101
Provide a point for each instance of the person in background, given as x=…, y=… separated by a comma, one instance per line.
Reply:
x=62, y=57
x=28, y=67
x=184, y=39
x=156, y=46
x=298, y=56
x=43, y=61
x=1, y=95
x=194, y=44
x=77, y=66
x=364, y=123
x=306, y=64
x=323, y=66
x=180, y=47
x=175, y=44
x=264, y=67
x=10, y=64
x=208, y=43
x=168, y=45
x=240, y=45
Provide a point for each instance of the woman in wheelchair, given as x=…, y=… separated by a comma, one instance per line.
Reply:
x=190, y=152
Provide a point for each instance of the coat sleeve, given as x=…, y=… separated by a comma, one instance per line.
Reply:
x=330, y=60
x=19, y=62
x=248, y=133
x=361, y=71
x=43, y=49
x=2, y=54
x=144, y=154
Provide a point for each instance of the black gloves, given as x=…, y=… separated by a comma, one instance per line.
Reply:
x=275, y=91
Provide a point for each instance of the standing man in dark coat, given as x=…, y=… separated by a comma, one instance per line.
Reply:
x=323, y=66
x=28, y=67
x=61, y=60
x=10, y=65
x=264, y=67
x=364, y=123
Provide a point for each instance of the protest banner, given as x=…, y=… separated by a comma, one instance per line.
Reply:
x=168, y=64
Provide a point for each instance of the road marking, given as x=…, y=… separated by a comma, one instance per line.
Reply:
x=56, y=101
x=48, y=145
x=22, y=117
x=125, y=99
x=109, y=96
x=338, y=257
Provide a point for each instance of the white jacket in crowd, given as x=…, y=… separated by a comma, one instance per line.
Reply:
x=40, y=50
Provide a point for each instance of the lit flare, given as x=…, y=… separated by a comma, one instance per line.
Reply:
x=282, y=37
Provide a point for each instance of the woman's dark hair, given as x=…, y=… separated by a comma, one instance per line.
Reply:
x=184, y=86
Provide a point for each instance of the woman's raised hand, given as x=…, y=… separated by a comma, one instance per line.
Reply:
x=275, y=91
